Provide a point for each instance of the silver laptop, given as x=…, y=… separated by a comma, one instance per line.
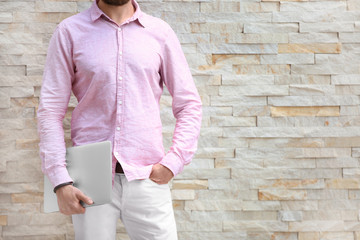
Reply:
x=90, y=167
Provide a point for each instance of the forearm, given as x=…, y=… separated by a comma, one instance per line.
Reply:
x=52, y=148
x=185, y=137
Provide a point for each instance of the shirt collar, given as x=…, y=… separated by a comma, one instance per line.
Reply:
x=96, y=13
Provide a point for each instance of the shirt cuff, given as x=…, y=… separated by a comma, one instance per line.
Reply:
x=58, y=176
x=62, y=185
x=173, y=162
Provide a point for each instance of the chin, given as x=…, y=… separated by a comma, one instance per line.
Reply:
x=116, y=2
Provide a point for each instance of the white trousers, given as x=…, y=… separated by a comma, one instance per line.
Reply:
x=144, y=207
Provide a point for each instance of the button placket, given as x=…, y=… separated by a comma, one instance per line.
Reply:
x=119, y=92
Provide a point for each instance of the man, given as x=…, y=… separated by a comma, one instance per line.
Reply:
x=115, y=59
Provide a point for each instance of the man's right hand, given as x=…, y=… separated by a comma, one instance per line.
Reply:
x=69, y=197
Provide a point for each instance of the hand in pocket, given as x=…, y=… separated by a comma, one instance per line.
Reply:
x=161, y=174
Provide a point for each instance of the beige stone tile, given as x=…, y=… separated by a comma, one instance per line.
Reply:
x=178, y=205
x=342, y=142
x=219, y=7
x=255, y=38
x=204, y=174
x=247, y=80
x=261, y=226
x=339, y=204
x=239, y=163
x=294, y=205
x=28, y=144
x=262, y=69
x=25, y=102
x=256, y=215
x=322, y=215
x=340, y=162
x=343, y=183
x=233, y=121
x=3, y=220
x=312, y=6
x=313, y=89
x=310, y=48
x=27, y=197
x=287, y=143
x=310, y=101
x=262, y=205
x=214, y=205
x=24, y=218
x=308, y=236
x=245, y=111
x=254, y=90
x=182, y=194
x=282, y=194
x=212, y=225
x=215, y=152
x=54, y=17
x=232, y=142
x=17, y=6
x=39, y=237
x=304, y=111
x=275, y=27
x=190, y=184
x=279, y=184
x=216, y=27
x=228, y=193
x=302, y=79
x=312, y=226
x=288, y=58
x=221, y=59
x=25, y=230
x=237, y=101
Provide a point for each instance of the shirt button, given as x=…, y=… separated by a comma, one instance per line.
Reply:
x=116, y=153
x=119, y=102
x=119, y=29
x=120, y=53
x=118, y=128
x=120, y=78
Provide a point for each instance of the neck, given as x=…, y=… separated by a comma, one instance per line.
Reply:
x=118, y=14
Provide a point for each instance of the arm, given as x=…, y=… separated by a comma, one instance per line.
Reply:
x=54, y=98
x=186, y=105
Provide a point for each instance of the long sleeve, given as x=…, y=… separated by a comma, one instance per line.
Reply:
x=186, y=105
x=54, y=98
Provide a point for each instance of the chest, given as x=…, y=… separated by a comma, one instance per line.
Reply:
x=107, y=51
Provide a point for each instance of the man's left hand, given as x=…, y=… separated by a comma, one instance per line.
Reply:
x=161, y=174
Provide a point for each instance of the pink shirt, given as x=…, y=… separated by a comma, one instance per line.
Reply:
x=117, y=75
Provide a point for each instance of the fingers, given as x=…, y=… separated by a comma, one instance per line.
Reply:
x=69, y=200
x=160, y=174
x=81, y=196
x=155, y=175
x=159, y=181
x=73, y=208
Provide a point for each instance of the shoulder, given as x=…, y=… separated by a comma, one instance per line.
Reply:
x=157, y=24
x=75, y=22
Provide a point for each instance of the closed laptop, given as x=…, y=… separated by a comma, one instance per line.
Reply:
x=91, y=169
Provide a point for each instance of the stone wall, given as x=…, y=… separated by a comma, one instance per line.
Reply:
x=279, y=150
